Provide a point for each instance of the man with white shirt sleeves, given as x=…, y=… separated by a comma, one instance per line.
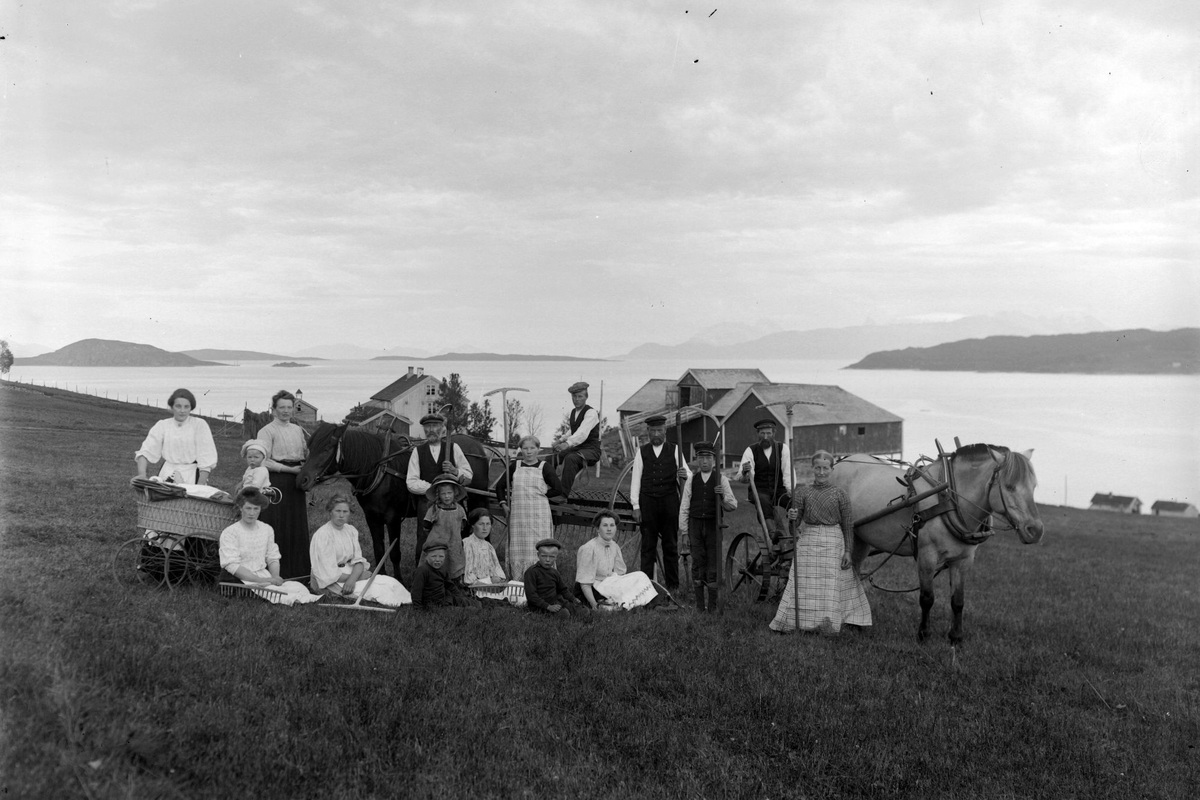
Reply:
x=766, y=463
x=658, y=467
x=427, y=463
x=582, y=443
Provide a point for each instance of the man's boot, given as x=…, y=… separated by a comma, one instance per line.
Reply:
x=699, y=589
x=714, y=599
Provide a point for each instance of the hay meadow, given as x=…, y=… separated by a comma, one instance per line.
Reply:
x=1078, y=678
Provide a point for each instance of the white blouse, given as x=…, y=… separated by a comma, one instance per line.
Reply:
x=180, y=443
x=597, y=560
x=482, y=564
x=333, y=552
x=284, y=443
x=252, y=548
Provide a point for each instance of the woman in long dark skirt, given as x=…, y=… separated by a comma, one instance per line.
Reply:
x=286, y=452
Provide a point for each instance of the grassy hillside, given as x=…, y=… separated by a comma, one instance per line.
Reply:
x=1127, y=352
x=1078, y=678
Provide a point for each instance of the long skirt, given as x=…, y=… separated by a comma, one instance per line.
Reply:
x=289, y=519
x=829, y=595
x=384, y=590
x=530, y=519
x=627, y=591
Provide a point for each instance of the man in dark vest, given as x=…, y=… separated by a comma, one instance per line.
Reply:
x=658, y=468
x=582, y=442
x=767, y=463
x=427, y=463
x=698, y=519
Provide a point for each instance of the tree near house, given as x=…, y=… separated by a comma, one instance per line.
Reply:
x=454, y=393
x=480, y=420
x=6, y=358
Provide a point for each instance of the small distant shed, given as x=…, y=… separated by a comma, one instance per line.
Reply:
x=1116, y=503
x=305, y=412
x=1172, y=508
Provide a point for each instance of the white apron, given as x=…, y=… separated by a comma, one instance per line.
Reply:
x=531, y=521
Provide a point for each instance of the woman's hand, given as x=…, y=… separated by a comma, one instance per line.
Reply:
x=845, y=561
x=793, y=513
x=275, y=580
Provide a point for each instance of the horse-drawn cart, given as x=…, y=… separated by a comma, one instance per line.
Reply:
x=178, y=540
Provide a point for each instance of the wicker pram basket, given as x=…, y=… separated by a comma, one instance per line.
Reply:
x=186, y=516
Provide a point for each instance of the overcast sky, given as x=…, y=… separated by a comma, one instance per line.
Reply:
x=527, y=176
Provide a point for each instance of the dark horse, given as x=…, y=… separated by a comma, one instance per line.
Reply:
x=982, y=481
x=377, y=469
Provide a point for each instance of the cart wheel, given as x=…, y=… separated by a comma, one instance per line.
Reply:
x=196, y=561
x=744, y=569
x=139, y=563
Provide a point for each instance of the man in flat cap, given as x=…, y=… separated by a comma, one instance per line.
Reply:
x=658, y=469
x=766, y=463
x=582, y=443
x=428, y=463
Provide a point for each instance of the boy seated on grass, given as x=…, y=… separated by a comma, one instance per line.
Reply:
x=545, y=590
x=432, y=587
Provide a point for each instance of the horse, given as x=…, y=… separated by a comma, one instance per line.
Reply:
x=377, y=469
x=943, y=530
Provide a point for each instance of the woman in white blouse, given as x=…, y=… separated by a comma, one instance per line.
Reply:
x=286, y=452
x=183, y=443
x=600, y=575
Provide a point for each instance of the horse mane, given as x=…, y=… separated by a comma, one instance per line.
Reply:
x=1017, y=469
x=360, y=449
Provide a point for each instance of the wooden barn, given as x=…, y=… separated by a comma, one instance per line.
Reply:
x=843, y=423
x=1172, y=508
x=306, y=412
x=1115, y=503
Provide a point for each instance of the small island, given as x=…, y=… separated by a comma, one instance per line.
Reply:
x=290, y=364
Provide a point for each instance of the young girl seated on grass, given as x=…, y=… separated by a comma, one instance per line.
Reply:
x=249, y=554
x=338, y=564
x=600, y=576
x=482, y=563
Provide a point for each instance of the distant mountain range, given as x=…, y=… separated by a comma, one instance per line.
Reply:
x=484, y=357
x=244, y=355
x=1130, y=352
x=857, y=341
x=112, y=353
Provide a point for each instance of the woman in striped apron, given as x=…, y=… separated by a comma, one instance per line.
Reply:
x=529, y=519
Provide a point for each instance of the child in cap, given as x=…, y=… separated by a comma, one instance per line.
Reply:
x=254, y=453
x=698, y=521
x=545, y=590
x=431, y=586
x=445, y=522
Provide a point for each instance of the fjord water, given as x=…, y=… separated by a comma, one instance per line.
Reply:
x=1127, y=434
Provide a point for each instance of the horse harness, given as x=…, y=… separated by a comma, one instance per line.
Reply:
x=948, y=500
x=382, y=467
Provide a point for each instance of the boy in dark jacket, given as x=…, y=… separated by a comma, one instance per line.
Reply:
x=545, y=590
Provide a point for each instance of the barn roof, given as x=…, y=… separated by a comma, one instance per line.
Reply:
x=651, y=397
x=725, y=378
x=838, y=406
x=730, y=400
x=400, y=387
x=1118, y=500
x=1170, y=505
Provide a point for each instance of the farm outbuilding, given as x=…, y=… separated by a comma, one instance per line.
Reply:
x=1172, y=508
x=1116, y=503
x=306, y=412
x=843, y=423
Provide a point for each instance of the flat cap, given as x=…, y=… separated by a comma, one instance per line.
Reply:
x=656, y=421
x=577, y=386
x=430, y=419
x=431, y=546
x=548, y=543
x=765, y=422
x=704, y=447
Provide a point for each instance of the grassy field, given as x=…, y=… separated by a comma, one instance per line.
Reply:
x=1079, y=677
